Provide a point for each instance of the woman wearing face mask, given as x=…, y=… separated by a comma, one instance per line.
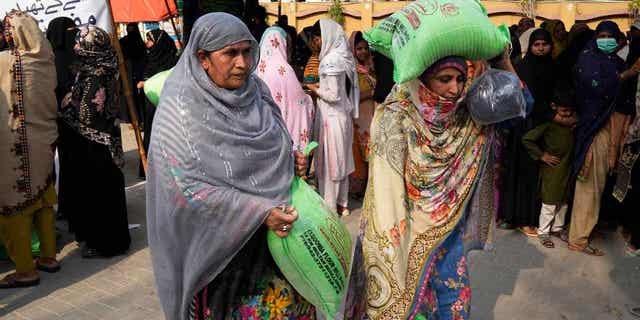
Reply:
x=367, y=84
x=601, y=105
x=520, y=206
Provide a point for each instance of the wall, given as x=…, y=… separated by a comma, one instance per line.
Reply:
x=364, y=15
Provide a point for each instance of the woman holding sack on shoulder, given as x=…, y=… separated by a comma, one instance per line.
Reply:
x=221, y=165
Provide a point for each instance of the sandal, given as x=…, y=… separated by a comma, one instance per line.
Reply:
x=343, y=211
x=50, y=266
x=529, y=231
x=631, y=252
x=504, y=225
x=11, y=282
x=588, y=250
x=547, y=242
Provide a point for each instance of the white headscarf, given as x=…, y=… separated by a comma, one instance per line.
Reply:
x=336, y=58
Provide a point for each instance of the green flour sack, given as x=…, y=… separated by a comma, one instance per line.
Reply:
x=153, y=86
x=426, y=31
x=316, y=255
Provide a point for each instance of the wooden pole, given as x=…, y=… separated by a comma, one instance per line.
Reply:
x=173, y=24
x=126, y=86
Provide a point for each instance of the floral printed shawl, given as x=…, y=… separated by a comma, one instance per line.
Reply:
x=275, y=71
x=91, y=108
x=28, y=106
x=422, y=185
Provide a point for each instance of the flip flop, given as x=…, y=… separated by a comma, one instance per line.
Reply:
x=47, y=269
x=547, y=242
x=588, y=250
x=10, y=282
x=532, y=233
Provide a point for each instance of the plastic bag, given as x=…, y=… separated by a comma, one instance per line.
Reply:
x=426, y=31
x=496, y=96
x=316, y=255
x=153, y=86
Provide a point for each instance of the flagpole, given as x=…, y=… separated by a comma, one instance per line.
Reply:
x=126, y=86
x=173, y=24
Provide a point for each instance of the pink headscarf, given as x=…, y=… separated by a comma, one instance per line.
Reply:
x=296, y=106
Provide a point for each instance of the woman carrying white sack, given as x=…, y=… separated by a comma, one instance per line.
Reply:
x=338, y=97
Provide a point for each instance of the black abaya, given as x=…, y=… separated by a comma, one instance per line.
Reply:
x=95, y=201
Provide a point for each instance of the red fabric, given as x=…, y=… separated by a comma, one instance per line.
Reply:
x=142, y=10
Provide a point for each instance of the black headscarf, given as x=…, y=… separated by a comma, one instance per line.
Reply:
x=61, y=33
x=3, y=43
x=578, y=41
x=538, y=74
x=133, y=47
x=162, y=55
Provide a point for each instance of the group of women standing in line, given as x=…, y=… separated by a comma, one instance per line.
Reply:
x=62, y=94
x=588, y=64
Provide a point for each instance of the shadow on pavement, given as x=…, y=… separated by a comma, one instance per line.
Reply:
x=74, y=268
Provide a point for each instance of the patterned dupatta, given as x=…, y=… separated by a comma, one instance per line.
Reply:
x=28, y=117
x=427, y=160
x=296, y=106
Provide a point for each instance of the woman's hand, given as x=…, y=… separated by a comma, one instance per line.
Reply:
x=550, y=160
x=313, y=88
x=301, y=164
x=281, y=221
x=140, y=85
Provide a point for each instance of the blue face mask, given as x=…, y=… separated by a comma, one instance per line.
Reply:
x=607, y=45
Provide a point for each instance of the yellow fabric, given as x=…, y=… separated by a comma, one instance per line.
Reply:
x=586, y=203
x=15, y=231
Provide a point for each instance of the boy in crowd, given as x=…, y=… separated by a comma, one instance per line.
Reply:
x=552, y=144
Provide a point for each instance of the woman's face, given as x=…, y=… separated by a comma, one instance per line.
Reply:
x=230, y=66
x=541, y=48
x=149, y=42
x=447, y=83
x=362, y=51
x=604, y=35
x=316, y=43
x=560, y=32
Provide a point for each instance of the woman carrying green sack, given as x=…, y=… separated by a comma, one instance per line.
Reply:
x=221, y=166
x=431, y=192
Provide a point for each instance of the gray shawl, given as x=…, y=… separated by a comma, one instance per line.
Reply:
x=219, y=160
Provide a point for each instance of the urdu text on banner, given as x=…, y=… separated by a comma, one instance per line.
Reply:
x=82, y=12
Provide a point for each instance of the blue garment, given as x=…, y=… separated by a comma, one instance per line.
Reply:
x=598, y=96
x=448, y=292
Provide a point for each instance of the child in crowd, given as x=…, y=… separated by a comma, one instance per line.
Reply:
x=552, y=144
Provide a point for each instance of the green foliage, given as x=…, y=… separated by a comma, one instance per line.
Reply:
x=335, y=12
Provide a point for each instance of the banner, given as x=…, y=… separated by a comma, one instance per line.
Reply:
x=83, y=12
x=143, y=11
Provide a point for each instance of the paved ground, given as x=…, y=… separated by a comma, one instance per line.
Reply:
x=519, y=280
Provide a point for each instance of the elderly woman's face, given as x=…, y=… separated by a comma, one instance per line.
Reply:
x=230, y=66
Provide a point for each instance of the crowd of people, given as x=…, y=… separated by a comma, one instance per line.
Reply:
x=242, y=104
